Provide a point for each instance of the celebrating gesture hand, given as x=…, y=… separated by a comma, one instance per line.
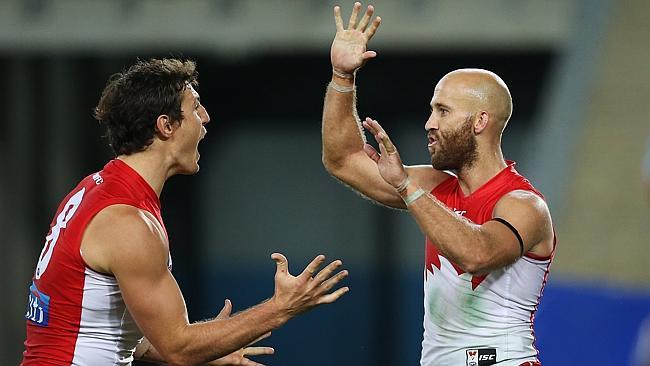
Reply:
x=387, y=159
x=297, y=294
x=348, y=52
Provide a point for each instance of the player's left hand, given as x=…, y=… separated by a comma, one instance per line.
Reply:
x=239, y=357
x=388, y=160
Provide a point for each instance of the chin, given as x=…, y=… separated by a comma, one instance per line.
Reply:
x=189, y=170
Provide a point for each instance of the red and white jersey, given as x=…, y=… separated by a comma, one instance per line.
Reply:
x=481, y=320
x=77, y=316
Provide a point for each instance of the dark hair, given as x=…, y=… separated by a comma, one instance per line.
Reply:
x=133, y=99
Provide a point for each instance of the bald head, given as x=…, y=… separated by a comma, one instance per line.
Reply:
x=479, y=89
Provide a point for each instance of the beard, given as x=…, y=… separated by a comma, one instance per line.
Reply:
x=457, y=149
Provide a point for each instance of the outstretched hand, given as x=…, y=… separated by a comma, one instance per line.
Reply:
x=388, y=160
x=239, y=357
x=348, y=52
x=297, y=294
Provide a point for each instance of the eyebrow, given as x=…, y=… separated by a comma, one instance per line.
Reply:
x=439, y=105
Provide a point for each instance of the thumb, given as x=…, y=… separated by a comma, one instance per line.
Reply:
x=371, y=152
x=281, y=262
x=225, y=311
x=368, y=55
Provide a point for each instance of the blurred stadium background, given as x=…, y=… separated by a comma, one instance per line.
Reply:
x=577, y=70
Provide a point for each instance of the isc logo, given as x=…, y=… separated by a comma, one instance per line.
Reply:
x=481, y=356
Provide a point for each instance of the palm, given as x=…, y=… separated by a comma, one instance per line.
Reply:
x=391, y=168
x=300, y=293
x=348, y=52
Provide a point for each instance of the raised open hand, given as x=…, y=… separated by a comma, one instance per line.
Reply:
x=348, y=52
x=297, y=294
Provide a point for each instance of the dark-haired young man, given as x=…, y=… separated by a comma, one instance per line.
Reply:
x=103, y=278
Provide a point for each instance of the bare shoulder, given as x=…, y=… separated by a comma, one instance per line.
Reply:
x=121, y=236
x=526, y=201
x=426, y=177
x=529, y=214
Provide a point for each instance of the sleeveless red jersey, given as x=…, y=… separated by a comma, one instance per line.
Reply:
x=481, y=320
x=76, y=316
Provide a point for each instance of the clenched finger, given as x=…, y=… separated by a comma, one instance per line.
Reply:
x=366, y=18
x=371, y=152
x=352, y=24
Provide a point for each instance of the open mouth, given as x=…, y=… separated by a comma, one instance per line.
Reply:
x=432, y=140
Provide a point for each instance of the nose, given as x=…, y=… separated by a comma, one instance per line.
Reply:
x=205, y=117
x=432, y=123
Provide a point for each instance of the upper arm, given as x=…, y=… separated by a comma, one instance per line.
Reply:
x=361, y=174
x=135, y=251
x=529, y=215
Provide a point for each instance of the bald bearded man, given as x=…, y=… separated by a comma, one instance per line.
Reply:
x=489, y=235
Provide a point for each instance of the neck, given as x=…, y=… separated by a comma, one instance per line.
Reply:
x=151, y=166
x=482, y=170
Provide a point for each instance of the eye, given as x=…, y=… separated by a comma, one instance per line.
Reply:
x=443, y=111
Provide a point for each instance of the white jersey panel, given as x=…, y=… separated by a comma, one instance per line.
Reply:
x=108, y=334
x=496, y=314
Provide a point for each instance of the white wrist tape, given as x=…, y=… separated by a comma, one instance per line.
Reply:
x=404, y=184
x=414, y=196
x=342, y=74
x=341, y=88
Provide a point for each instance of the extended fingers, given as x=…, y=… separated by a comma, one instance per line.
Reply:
x=385, y=144
x=330, y=298
x=352, y=24
x=337, y=19
x=373, y=126
x=373, y=28
x=256, y=351
x=366, y=18
x=330, y=283
x=313, y=266
x=326, y=272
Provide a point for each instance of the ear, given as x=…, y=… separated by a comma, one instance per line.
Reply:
x=481, y=121
x=164, y=126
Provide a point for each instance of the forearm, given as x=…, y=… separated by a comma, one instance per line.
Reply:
x=342, y=131
x=207, y=341
x=457, y=238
